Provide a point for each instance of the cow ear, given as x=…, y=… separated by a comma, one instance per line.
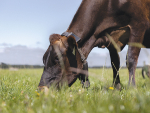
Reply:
x=72, y=43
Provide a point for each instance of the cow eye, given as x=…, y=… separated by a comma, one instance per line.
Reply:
x=56, y=58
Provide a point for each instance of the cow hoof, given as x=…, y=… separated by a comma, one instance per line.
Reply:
x=118, y=86
x=86, y=84
x=132, y=85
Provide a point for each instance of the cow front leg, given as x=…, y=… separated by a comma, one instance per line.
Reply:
x=84, y=76
x=115, y=62
x=84, y=81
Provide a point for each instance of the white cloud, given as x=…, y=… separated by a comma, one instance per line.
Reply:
x=21, y=55
x=1, y=50
x=5, y=45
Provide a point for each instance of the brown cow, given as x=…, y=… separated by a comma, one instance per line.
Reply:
x=88, y=29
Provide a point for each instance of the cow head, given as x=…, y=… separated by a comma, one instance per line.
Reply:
x=59, y=57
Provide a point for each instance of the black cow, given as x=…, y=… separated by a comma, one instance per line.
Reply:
x=127, y=21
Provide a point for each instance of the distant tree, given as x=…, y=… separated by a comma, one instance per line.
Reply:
x=4, y=66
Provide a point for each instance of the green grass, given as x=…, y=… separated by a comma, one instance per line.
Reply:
x=18, y=94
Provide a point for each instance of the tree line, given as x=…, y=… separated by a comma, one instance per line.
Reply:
x=7, y=66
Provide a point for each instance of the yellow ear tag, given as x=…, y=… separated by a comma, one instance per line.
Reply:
x=74, y=51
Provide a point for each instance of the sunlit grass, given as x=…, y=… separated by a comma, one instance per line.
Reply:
x=18, y=94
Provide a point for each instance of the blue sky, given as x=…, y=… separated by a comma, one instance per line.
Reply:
x=30, y=22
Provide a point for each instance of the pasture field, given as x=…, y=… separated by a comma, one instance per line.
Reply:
x=18, y=94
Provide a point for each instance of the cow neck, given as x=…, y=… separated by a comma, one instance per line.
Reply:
x=88, y=46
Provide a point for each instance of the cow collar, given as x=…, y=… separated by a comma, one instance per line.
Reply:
x=67, y=34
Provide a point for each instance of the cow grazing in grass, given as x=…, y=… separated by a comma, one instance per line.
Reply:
x=146, y=71
x=125, y=21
